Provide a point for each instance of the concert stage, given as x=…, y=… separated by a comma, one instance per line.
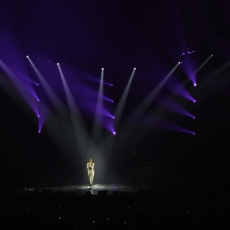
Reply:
x=159, y=187
x=81, y=189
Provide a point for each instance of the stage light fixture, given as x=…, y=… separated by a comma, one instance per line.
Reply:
x=57, y=63
x=135, y=68
x=211, y=55
x=194, y=101
x=27, y=56
x=114, y=133
x=178, y=62
x=194, y=84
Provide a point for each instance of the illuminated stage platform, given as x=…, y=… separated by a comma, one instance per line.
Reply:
x=82, y=189
x=165, y=187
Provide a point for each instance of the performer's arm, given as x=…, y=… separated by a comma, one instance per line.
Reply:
x=89, y=166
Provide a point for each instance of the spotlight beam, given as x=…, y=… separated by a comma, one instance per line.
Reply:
x=27, y=79
x=78, y=124
x=137, y=113
x=50, y=92
x=69, y=96
x=170, y=104
x=21, y=88
x=199, y=68
x=205, y=82
x=202, y=65
x=119, y=110
x=140, y=110
x=121, y=104
x=45, y=112
x=97, y=121
x=96, y=130
x=26, y=93
x=209, y=79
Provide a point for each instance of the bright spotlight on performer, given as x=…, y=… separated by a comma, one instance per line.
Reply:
x=90, y=167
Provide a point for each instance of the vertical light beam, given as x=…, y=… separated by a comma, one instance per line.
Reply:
x=121, y=104
x=79, y=128
x=140, y=110
x=96, y=131
x=98, y=119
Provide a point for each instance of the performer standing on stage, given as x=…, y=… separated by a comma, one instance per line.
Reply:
x=90, y=167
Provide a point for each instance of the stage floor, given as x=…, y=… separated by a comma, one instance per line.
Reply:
x=81, y=189
x=157, y=187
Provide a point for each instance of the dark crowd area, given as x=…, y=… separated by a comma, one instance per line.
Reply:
x=191, y=206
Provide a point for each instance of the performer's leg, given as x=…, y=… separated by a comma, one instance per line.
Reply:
x=91, y=180
x=92, y=176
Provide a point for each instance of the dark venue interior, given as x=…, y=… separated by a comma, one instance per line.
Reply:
x=141, y=87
